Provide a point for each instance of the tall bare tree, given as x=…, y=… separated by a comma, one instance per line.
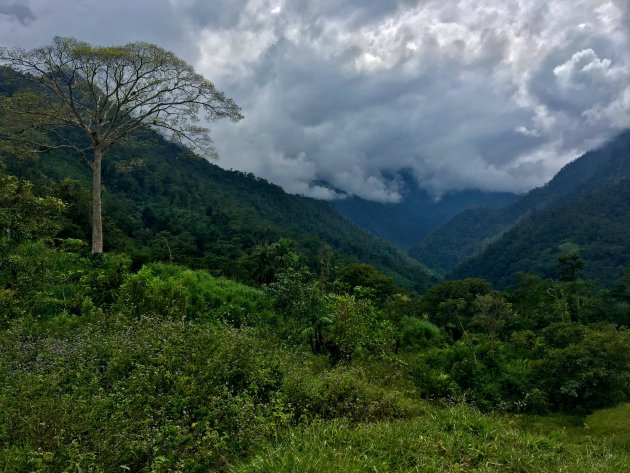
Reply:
x=106, y=93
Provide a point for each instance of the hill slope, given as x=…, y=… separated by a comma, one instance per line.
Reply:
x=471, y=231
x=409, y=221
x=596, y=222
x=159, y=201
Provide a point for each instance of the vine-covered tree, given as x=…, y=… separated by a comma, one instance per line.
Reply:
x=106, y=93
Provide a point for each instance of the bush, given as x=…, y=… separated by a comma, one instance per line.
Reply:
x=484, y=372
x=152, y=394
x=45, y=281
x=179, y=293
x=343, y=393
x=356, y=328
x=417, y=333
x=585, y=369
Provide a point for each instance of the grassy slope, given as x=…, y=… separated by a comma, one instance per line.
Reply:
x=449, y=439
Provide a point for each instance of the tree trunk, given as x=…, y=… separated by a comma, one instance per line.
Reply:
x=97, y=217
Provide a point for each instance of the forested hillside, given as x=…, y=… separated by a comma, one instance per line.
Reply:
x=230, y=327
x=162, y=203
x=595, y=225
x=407, y=222
x=471, y=231
x=107, y=367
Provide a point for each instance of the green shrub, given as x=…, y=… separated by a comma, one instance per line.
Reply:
x=417, y=333
x=107, y=274
x=179, y=293
x=484, y=372
x=356, y=328
x=582, y=370
x=343, y=393
x=45, y=281
x=112, y=395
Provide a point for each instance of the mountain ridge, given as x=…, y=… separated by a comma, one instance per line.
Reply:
x=469, y=232
x=593, y=224
x=207, y=213
x=407, y=222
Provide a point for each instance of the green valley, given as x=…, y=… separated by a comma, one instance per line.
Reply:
x=226, y=325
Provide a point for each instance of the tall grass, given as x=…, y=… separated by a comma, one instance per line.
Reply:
x=452, y=439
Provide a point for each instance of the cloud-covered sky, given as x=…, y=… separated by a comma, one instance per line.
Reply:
x=342, y=96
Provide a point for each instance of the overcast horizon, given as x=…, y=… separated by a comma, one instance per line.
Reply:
x=490, y=95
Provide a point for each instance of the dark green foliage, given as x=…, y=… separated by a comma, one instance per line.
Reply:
x=621, y=288
x=585, y=204
x=461, y=237
x=46, y=281
x=24, y=214
x=493, y=315
x=340, y=325
x=269, y=259
x=543, y=347
x=482, y=371
x=450, y=304
x=595, y=223
x=361, y=275
x=302, y=299
x=540, y=302
x=407, y=222
x=584, y=368
x=569, y=266
x=175, y=207
x=107, y=274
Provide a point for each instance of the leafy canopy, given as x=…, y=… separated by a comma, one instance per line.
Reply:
x=108, y=92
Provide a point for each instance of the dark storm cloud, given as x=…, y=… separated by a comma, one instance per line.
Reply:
x=18, y=11
x=462, y=93
x=488, y=94
x=354, y=12
x=217, y=13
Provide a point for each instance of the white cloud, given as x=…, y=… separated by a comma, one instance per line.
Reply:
x=489, y=94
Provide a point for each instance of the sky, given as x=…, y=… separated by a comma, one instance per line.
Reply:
x=345, y=97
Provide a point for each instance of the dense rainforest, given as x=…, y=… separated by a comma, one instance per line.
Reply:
x=418, y=213
x=161, y=203
x=232, y=327
x=527, y=235
x=109, y=362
